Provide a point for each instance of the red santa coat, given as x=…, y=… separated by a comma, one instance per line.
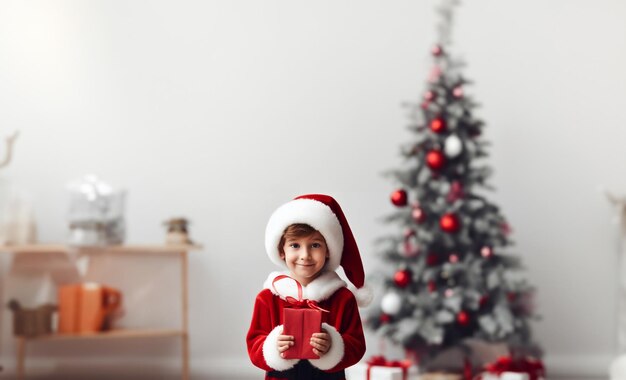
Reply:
x=342, y=322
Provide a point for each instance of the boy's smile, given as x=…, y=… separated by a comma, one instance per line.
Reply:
x=305, y=256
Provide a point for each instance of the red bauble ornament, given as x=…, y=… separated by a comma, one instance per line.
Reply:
x=385, y=318
x=399, y=198
x=402, y=278
x=486, y=252
x=432, y=286
x=506, y=228
x=449, y=223
x=432, y=259
x=458, y=92
x=419, y=216
x=438, y=125
x=435, y=159
x=429, y=96
x=456, y=192
x=482, y=302
x=437, y=50
x=463, y=318
x=511, y=296
x=435, y=74
x=410, y=249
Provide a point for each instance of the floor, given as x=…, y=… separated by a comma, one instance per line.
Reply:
x=134, y=377
x=121, y=375
x=549, y=378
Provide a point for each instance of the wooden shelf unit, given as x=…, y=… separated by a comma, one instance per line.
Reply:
x=182, y=333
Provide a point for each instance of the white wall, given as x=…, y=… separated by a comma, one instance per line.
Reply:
x=223, y=110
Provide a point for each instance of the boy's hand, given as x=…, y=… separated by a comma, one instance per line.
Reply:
x=283, y=343
x=321, y=343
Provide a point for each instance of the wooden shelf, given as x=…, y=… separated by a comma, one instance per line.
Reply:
x=179, y=251
x=112, y=334
x=63, y=248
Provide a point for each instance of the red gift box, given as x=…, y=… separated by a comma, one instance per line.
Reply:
x=301, y=324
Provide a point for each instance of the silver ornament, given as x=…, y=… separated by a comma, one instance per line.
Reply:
x=391, y=303
x=452, y=146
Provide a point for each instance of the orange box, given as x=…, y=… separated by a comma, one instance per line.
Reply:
x=86, y=308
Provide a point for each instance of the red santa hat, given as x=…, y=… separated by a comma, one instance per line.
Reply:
x=323, y=213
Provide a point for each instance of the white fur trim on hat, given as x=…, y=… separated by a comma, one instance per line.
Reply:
x=364, y=295
x=335, y=354
x=271, y=354
x=306, y=211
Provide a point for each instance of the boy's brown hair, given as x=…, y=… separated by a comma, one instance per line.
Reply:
x=297, y=230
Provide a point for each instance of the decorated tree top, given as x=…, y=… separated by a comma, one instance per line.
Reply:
x=449, y=277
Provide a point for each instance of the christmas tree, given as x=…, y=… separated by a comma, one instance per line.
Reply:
x=450, y=276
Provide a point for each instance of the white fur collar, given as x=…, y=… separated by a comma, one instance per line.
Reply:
x=318, y=290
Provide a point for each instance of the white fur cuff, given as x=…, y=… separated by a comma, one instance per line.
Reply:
x=271, y=354
x=335, y=354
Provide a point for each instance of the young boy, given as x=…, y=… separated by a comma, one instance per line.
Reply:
x=311, y=237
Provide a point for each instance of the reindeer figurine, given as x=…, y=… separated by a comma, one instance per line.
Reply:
x=9, y=152
x=17, y=222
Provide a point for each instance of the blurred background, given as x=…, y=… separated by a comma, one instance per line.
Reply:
x=220, y=111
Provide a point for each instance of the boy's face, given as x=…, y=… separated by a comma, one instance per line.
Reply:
x=305, y=256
